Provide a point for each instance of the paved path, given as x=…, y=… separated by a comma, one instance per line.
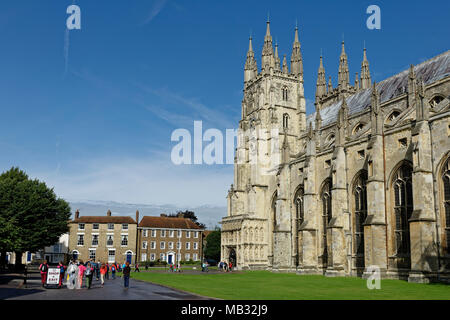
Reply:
x=113, y=290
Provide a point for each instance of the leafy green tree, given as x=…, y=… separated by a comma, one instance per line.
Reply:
x=189, y=215
x=212, y=247
x=31, y=215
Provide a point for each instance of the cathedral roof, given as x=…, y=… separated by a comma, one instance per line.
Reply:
x=429, y=71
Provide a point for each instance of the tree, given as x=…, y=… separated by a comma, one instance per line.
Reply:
x=188, y=214
x=31, y=215
x=212, y=247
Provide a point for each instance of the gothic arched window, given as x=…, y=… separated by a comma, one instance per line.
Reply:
x=326, y=216
x=358, y=128
x=403, y=207
x=446, y=194
x=360, y=205
x=285, y=121
x=299, y=206
x=436, y=100
x=274, y=209
x=394, y=115
x=285, y=93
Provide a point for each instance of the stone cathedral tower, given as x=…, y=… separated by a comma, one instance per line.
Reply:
x=363, y=181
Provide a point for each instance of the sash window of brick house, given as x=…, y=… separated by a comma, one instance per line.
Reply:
x=109, y=240
x=80, y=240
x=95, y=239
x=124, y=241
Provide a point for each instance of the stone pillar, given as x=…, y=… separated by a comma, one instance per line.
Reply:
x=282, y=236
x=422, y=227
x=335, y=233
x=375, y=224
x=309, y=228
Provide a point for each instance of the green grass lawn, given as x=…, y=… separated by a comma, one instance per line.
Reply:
x=264, y=285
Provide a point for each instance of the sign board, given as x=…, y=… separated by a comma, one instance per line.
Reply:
x=53, y=276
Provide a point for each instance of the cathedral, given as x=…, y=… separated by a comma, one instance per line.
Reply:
x=363, y=181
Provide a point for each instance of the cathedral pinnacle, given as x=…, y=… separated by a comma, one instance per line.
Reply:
x=365, y=72
x=267, y=53
x=251, y=68
x=296, y=57
x=343, y=77
x=321, y=85
x=277, y=58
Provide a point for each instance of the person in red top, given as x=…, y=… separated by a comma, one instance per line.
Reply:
x=103, y=271
x=62, y=271
x=43, y=268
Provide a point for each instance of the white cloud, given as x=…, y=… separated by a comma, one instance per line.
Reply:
x=158, y=5
x=193, y=107
x=146, y=181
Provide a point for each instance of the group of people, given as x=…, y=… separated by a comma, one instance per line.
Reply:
x=225, y=267
x=174, y=267
x=77, y=271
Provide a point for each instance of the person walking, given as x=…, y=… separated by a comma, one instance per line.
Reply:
x=126, y=275
x=43, y=268
x=136, y=268
x=113, y=271
x=62, y=271
x=102, y=274
x=89, y=275
x=97, y=270
x=81, y=271
x=72, y=274
x=107, y=272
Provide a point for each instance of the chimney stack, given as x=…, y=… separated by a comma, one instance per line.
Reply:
x=77, y=214
x=137, y=216
x=108, y=213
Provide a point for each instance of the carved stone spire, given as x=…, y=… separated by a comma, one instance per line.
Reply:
x=267, y=52
x=343, y=77
x=251, y=68
x=422, y=105
x=285, y=66
x=365, y=72
x=321, y=86
x=357, y=81
x=277, y=58
x=342, y=123
x=296, y=57
x=412, y=86
x=318, y=118
x=330, y=85
x=376, y=115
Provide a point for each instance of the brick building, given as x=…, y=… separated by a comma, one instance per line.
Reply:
x=105, y=238
x=170, y=239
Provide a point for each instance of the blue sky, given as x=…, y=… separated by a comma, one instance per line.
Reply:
x=92, y=113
